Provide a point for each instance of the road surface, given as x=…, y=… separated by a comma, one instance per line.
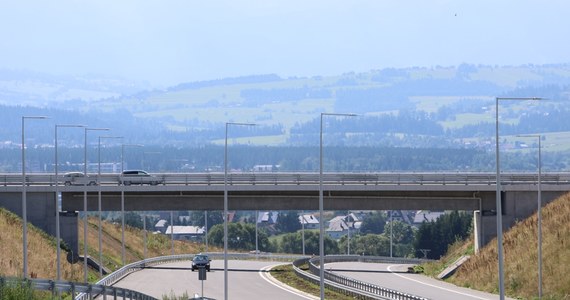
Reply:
x=395, y=277
x=247, y=280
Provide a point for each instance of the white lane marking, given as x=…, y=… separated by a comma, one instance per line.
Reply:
x=435, y=286
x=267, y=277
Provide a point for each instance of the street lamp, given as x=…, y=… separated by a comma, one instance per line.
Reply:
x=391, y=232
x=24, y=200
x=99, y=198
x=303, y=231
x=499, y=209
x=228, y=124
x=321, y=222
x=85, y=201
x=123, y=200
x=256, y=244
x=539, y=211
x=57, y=229
x=206, y=228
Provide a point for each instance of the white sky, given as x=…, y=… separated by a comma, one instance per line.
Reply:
x=168, y=42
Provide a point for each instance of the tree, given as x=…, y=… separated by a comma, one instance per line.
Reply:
x=288, y=221
x=437, y=236
x=132, y=219
x=292, y=243
x=369, y=244
x=402, y=233
x=241, y=236
x=214, y=217
x=374, y=223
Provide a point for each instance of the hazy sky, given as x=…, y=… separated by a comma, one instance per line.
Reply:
x=168, y=42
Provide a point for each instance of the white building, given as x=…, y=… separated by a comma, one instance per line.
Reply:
x=185, y=232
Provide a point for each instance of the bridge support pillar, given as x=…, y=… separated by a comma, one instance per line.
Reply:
x=477, y=230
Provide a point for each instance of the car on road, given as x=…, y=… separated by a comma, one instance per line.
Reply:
x=201, y=261
x=78, y=178
x=139, y=177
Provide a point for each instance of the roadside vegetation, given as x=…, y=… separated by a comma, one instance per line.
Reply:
x=480, y=272
x=286, y=275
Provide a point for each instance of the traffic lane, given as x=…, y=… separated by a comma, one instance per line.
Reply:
x=396, y=277
x=244, y=281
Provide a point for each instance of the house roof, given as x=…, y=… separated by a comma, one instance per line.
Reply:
x=427, y=216
x=185, y=230
x=308, y=219
x=267, y=217
x=160, y=223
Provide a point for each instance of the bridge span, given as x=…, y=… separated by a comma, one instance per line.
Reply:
x=293, y=191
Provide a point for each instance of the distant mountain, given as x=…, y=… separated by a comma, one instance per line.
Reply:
x=411, y=107
x=18, y=87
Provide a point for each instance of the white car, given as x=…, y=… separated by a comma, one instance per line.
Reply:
x=78, y=178
x=139, y=177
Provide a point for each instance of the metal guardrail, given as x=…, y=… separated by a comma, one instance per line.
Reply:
x=348, y=286
x=352, y=287
x=136, y=266
x=310, y=178
x=89, y=290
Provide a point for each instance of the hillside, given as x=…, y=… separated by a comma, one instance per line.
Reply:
x=521, y=263
x=42, y=248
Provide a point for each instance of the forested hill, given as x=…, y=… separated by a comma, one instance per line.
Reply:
x=438, y=107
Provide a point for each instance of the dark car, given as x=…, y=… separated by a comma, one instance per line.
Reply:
x=201, y=261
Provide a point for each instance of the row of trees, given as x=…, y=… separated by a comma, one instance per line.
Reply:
x=373, y=239
x=337, y=159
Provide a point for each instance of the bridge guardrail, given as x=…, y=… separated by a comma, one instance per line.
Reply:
x=349, y=285
x=311, y=178
x=89, y=290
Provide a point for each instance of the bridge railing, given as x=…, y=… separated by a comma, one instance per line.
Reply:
x=311, y=178
x=89, y=290
x=349, y=285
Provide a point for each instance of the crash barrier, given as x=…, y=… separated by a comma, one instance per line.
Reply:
x=353, y=287
x=136, y=266
x=301, y=178
x=88, y=290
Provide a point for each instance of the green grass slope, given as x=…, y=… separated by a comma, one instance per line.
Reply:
x=521, y=257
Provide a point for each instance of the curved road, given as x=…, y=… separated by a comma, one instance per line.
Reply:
x=247, y=280
x=395, y=277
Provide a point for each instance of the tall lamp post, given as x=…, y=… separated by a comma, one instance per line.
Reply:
x=24, y=200
x=499, y=209
x=321, y=208
x=303, y=231
x=123, y=200
x=539, y=211
x=85, y=201
x=57, y=229
x=99, y=197
x=228, y=124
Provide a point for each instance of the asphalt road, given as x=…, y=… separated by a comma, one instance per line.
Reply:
x=246, y=280
x=395, y=277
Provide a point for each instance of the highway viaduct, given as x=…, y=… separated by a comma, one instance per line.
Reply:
x=291, y=191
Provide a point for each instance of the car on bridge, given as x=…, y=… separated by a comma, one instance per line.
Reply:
x=138, y=177
x=201, y=261
x=78, y=178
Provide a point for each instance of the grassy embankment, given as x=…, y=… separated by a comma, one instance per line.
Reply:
x=520, y=258
x=42, y=248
